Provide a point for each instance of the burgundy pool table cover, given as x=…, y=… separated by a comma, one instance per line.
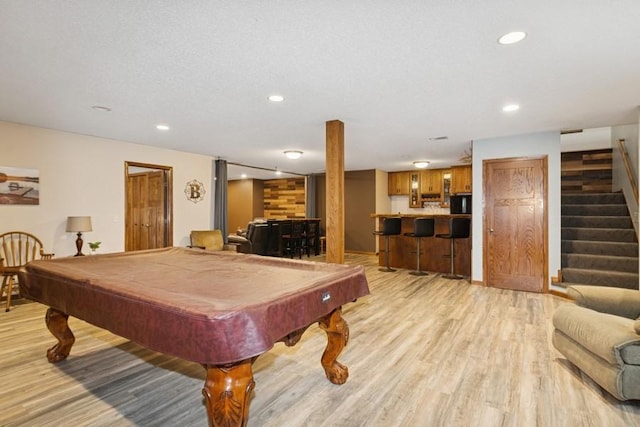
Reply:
x=208, y=307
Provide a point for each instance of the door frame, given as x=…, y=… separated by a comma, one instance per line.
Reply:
x=168, y=188
x=545, y=219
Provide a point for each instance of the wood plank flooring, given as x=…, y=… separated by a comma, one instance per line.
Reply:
x=424, y=351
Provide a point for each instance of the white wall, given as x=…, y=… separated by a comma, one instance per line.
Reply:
x=84, y=175
x=588, y=139
x=400, y=204
x=383, y=202
x=532, y=145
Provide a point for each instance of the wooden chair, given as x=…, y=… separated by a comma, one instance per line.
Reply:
x=18, y=248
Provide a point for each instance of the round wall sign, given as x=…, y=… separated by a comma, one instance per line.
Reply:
x=194, y=191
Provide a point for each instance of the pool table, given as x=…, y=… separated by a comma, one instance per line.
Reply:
x=220, y=309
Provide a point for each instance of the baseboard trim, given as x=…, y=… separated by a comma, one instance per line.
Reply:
x=360, y=253
x=560, y=294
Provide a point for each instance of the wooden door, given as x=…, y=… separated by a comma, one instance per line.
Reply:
x=147, y=218
x=515, y=224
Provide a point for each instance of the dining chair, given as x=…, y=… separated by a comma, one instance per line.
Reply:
x=17, y=248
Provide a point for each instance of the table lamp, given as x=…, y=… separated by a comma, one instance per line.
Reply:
x=79, y=224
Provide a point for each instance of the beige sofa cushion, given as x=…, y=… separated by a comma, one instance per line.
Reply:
x=610, y=337
x=621, y=302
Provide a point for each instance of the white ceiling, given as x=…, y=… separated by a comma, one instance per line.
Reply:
x=395, y=72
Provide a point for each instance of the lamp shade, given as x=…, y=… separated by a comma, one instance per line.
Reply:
x=79, y=223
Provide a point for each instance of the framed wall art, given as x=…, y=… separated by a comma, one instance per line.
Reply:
x=194, y=191
x=19, y=186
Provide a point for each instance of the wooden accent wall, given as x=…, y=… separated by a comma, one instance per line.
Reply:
x=586, y=171
x=245, y=202
x=284, y=198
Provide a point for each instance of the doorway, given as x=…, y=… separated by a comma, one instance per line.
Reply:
x=148, y=206
x=515, y=224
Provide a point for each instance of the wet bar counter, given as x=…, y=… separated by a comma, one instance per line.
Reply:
x=434, y=251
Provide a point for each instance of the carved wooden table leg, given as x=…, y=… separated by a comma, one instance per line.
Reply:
x=57, y=324
x=226, y=391
x=338, y=335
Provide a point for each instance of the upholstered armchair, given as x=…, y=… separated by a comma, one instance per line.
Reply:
x=210, y=240
x=600, y=334
x=255, y=241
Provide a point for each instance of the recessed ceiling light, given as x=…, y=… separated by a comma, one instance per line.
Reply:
x=421, y=164
x=512, y=37
x=276, y=98
x=162, y=127
x=243, y=176
x=278, y=172
x=293, y=154
x=101, y=108
x=509, y=108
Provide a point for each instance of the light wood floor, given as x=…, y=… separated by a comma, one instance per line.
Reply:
x=424, y=351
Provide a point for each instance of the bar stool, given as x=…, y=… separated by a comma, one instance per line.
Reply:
x=422, y=227
x=390, y=227
x=292, y=238
x=459, y=228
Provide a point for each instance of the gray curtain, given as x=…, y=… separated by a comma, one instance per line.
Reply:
x=220, y=199
x=311, y=195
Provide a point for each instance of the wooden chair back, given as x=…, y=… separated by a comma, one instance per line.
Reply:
x=18, y=248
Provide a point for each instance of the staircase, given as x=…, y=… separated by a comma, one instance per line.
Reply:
x=598, y=242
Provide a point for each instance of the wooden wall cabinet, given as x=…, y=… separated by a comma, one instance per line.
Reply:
x=431, y=183
x=399, y=183
x=461, y=179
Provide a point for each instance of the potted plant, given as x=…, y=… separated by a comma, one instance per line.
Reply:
x=94, y=247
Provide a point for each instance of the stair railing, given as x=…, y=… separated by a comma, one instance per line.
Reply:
x=630, y=185
x=627, y=165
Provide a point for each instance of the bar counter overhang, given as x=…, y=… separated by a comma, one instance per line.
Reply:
x=434, y=251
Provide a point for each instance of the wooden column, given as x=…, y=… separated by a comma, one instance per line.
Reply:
x=335, y=191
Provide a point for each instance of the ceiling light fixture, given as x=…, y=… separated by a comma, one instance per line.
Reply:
x=509, y=108
x=162, y=127
x=512, y=37
x=275, y=98
x=293, y=154
x=421, y=164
